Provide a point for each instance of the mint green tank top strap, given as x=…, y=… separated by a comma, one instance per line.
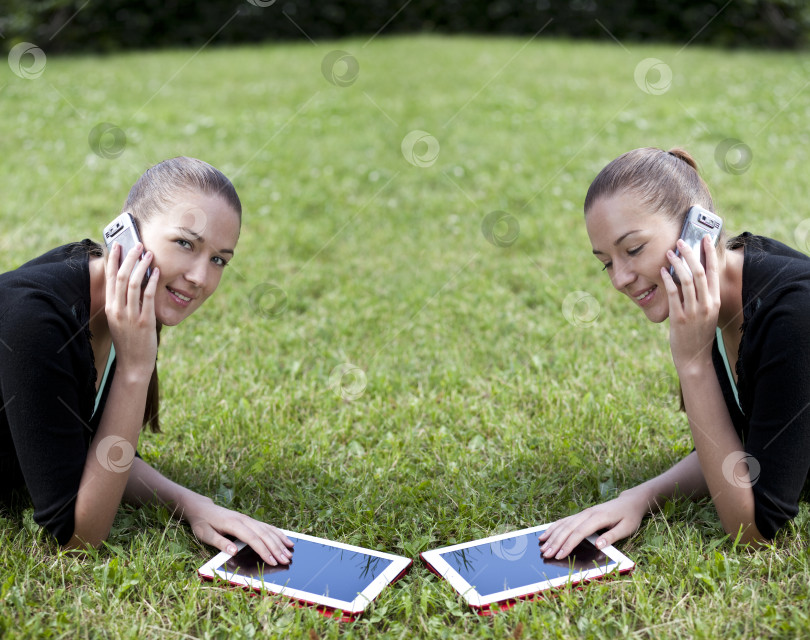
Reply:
x=722, y=348
x=100, y=391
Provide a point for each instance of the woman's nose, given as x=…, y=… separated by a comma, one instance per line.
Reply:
x=622, y=277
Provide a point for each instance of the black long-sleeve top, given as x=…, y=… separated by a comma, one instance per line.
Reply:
x=47, y=382
x=773, y=377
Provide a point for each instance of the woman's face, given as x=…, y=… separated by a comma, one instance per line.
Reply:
x=632, y=243
x=192, y=241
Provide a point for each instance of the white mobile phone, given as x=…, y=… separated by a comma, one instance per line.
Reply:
x=698, y=223
x=124, y=231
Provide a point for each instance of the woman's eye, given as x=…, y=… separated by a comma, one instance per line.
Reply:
x=220, y=262
x=607, y=265
x=184, y=243
x=635, y=251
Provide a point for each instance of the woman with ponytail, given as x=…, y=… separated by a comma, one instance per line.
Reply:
x=739, y=332
x=78, y=346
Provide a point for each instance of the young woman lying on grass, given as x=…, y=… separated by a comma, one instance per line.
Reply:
x=740, y=340
x=78, y=345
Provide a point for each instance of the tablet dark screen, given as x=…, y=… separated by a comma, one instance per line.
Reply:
x=492, y=567
x=315, y=568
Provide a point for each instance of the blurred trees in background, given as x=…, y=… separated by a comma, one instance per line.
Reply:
x=93, y=25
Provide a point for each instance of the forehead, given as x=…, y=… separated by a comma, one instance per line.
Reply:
x=206, y=216
x=612, y=218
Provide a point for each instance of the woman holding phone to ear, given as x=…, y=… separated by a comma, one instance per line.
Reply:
x=78, y=381
x=740, y=342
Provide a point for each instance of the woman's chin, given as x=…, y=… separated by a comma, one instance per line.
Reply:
x=657, y=315
x=169, y=319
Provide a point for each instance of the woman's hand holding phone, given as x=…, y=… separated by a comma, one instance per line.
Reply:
x=694, y=306
x=130, y=310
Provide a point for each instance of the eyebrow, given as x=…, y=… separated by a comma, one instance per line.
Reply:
x=200, y=239
x=618, y=241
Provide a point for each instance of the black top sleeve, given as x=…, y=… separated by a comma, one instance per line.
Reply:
x=43, y=381
x=777, y=407
x=773, y=378
x=47, y=383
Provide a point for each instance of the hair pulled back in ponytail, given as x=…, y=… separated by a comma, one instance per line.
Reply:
x=667, y=182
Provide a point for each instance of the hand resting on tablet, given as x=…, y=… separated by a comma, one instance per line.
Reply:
x=620, y=516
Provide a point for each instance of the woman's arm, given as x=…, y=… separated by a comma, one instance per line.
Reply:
x=720, y=451
x=209, y=522
x=622, y=515
x=692, y=320
x=109, y=459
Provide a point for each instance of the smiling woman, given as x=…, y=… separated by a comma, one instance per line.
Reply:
x=740, y=340
x=81, y=333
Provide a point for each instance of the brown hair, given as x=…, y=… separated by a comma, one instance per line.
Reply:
x=156, y=190
x=666, y=181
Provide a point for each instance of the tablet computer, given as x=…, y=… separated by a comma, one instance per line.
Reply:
x=340, y=580
x=493, y=573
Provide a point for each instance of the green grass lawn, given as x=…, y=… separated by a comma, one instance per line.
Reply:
x=494, y=394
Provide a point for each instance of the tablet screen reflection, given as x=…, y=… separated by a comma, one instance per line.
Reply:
x=315, y=568
x=493, y=567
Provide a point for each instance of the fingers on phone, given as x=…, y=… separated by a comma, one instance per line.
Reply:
x=679, y=265
x=137, y=275
x=133, y=254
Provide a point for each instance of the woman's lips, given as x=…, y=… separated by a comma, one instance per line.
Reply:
x=645, y=297
x=179, y=298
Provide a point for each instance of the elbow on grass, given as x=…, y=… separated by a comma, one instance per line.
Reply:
x=743, y=533
x=85, y=542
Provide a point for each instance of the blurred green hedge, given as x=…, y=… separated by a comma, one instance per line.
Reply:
x=93, y=25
